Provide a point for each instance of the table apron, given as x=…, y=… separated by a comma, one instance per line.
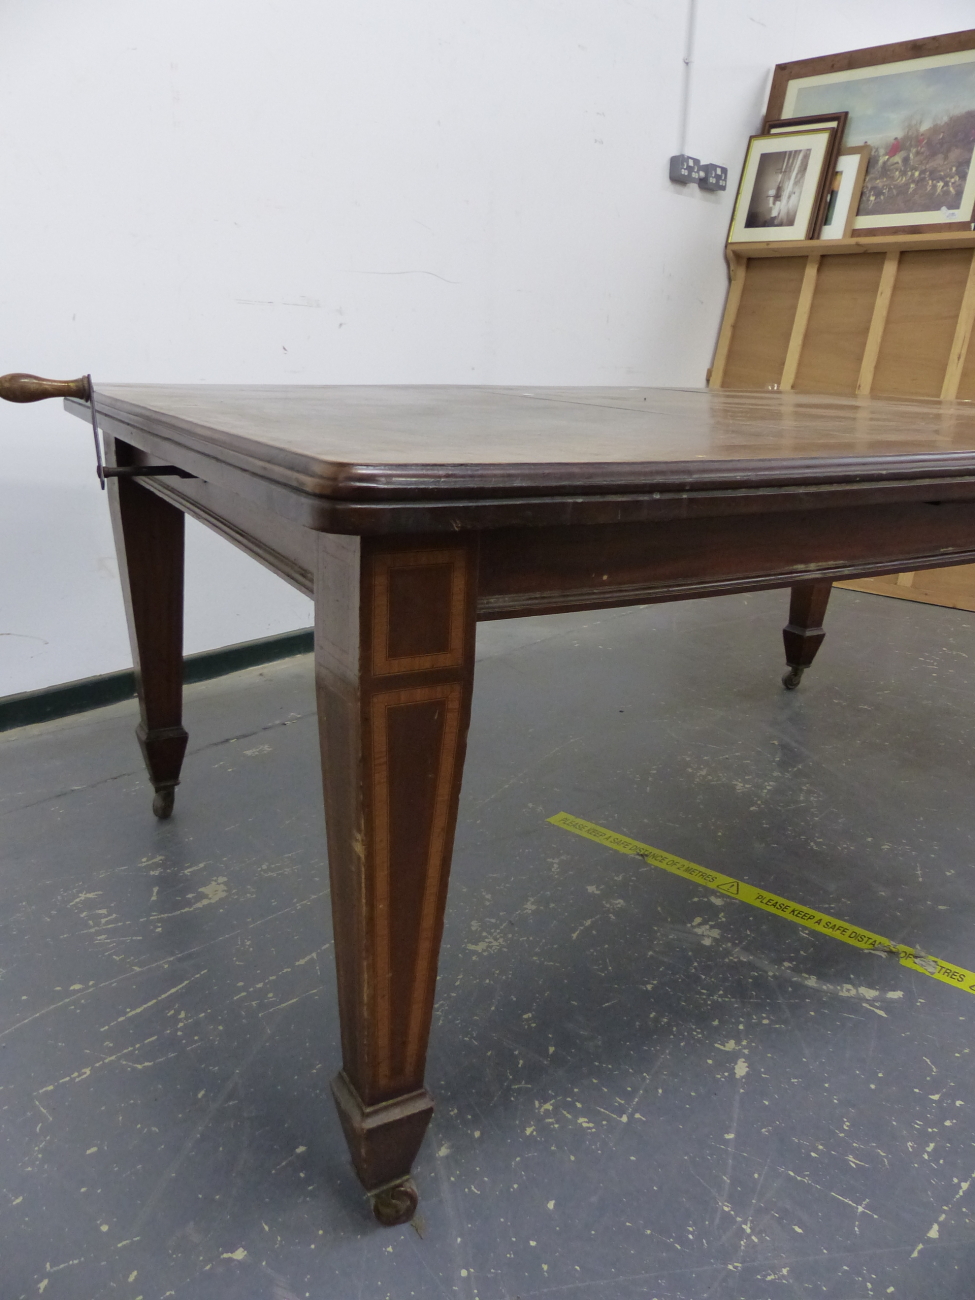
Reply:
x=547, y=570
x=524, y=571
x=279, y=545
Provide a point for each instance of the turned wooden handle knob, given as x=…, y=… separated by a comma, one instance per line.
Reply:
x=32, y=388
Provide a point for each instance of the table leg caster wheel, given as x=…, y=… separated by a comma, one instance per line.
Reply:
x=395, y=1205
x=792, y=678
x=162, y=804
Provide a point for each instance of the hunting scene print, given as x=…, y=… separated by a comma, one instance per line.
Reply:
x=919, y=122
x=922, y=169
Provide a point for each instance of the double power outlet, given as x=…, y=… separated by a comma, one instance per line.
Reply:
x=686, y=170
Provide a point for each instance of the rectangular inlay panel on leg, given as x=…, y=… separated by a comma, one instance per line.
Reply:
x=418, y=608
x=414, y=737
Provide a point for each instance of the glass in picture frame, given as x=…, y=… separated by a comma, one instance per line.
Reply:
x=844, y=194
x=779, y=196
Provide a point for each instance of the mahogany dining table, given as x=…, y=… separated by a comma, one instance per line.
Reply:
x=408, y=514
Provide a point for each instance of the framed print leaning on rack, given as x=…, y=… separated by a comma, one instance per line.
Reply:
x=844, y=193
x=780, y=194
x=816, y=122
x=913, y=104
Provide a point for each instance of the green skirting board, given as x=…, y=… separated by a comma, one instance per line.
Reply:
x=94, y=692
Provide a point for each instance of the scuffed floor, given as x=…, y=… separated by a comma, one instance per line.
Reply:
x=646, y=1091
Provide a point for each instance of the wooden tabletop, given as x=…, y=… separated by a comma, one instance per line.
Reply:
x=379, y=442
x=420, y=458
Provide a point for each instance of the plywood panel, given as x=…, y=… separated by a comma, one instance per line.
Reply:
x=763, y=325
x=846, y=288
x=921, y=323
x=953, y=588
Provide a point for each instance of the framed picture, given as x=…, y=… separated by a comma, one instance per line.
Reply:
x=816, y=121
x=844, y=192
x=913, y=104
x=781, y=186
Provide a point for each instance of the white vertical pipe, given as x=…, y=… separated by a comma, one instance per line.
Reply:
x=685, y=106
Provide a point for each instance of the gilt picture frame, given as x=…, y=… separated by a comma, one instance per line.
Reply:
x=779, y=195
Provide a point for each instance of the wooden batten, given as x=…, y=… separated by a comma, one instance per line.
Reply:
x=878, y=322
x=736, y=270
x=799, y=325
x=963, y=337
x=855, y=244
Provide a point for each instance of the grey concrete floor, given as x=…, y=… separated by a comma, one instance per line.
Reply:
x=645, y=1090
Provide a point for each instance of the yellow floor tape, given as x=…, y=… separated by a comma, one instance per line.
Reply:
x=956, y=976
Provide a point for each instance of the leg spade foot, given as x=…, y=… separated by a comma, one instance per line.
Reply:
x=395, y=1205
x=382, y=1139
x=163, y=749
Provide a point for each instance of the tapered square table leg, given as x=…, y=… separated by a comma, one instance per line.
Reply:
x=394, y=663
x=149, y=545
x=803, y=634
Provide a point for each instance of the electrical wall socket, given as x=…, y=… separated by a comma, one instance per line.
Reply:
x=712, y=176
x=684, y=168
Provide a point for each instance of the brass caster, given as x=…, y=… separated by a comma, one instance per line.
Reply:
x=162, y=804
x=395, y=1205
x=792, y=678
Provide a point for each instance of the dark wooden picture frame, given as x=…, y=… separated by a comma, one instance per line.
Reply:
x=879, y=56
x=837, y=121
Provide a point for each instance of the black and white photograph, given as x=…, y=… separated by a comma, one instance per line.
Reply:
x=778, y=187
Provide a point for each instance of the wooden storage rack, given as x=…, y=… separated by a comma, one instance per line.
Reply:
x=885, y=315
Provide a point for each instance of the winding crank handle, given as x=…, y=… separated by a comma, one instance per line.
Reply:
x=32, y=388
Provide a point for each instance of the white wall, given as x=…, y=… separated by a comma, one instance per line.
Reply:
x=316, y=191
